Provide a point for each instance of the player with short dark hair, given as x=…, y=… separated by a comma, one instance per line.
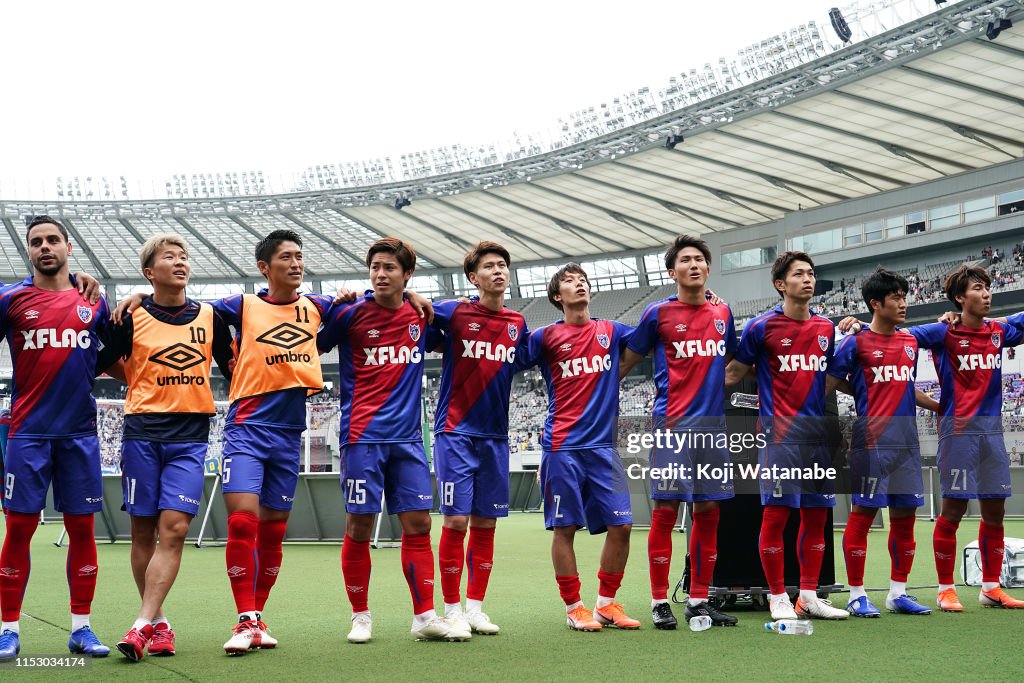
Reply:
x=692, y=340
x=54, y=338
x=582, y=478
x=791, y=348
x=381, y=343
x=471, y=451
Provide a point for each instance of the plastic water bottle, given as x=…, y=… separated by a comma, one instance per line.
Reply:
x=750, y=401
x=700, y=623
x=791, y=627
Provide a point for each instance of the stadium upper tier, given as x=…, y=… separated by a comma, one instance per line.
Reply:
x=787, y=127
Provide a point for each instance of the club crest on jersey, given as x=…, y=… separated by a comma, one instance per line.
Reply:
x=414, y=332
x=85, y=314
x=996, y=338
x=604, y=341
x=513, y=331
x=823, y=342
x=910, y=352
x=720, y=326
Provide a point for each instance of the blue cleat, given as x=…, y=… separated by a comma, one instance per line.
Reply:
x=862, y=607
x=84, y=642
x=10, y=646
x=906, y=604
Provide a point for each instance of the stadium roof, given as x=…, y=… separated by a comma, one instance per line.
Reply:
x=929, y=99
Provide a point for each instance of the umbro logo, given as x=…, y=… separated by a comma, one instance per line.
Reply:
x=942, y=556
x=964, y=343
x=818, y=547
x=877, y=354
x=355, y=589
x=32, y=315
x=451, y=570
x=272, y=571
x=859, y=553
x=236, y=571
x=659, y=560
x=178, y=357
x=9, y=571
x=87, y=570
x=772, y=550
x=285, y=336
x=787, y=342
x=565, y=347
x=428, y=582
x=474, y=327
x=680, y=327
x=373, y=334
x=485, y=566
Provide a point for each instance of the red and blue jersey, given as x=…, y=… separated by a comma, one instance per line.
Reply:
x=580, y=364
x=480, y=347
x=690, y=345
x=881, y=369
x=791, y=359
x=969, y=363
x=55, y=338
x=380, y=359
x=285, y=408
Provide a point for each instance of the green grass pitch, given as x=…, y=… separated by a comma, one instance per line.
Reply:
x=309, y=613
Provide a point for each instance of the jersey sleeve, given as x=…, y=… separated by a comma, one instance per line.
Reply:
x=229, y=309
x=532, y=350
x=846, y=352
x=1013, y=329
x=335, y=327
x=750, y=343
x=930, y=336
x=443, y=311
x=732, y=342
x=624, y=332
x=323, y=303
x=645, y=335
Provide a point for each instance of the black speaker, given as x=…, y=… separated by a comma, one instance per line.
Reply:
x=840, y=25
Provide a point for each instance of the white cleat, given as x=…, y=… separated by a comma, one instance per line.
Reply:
x=481, y=623
x=246, y=636
x=819, y=609
x=781, y=608
x=458, y=627
x=267, y=641
x=362, y=625
x=437, y=628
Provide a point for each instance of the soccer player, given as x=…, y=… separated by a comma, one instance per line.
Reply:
x=972, y=458
x=581, y=475
x=692, y=340
x=54, y=336
x=791, y=348
x=880, y=364
x=168, y=344
x=381, y=343
x=471, y=449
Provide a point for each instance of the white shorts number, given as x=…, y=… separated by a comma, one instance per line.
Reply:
x=558, y=501
x=356, y=491
x=131, y=491
x=868, y=486
x=960, y=475
x=448, y=493
x=225, y=468
x=9, y=486
x=777, y=490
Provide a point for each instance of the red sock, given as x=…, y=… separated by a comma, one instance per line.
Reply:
x=811, y=546
x=480, y=561
x=902, y=547
x=81, y=564
x=703, y=551
x=944, y=544
x=990, y=543
x=569, y=588
x=608, y=584
x=240, y=559
x=15, y=563
x=355, y=568
x=773, y=557
x=659, y=550
x=269, y=538
x=418, y=565
x=855, y=546
x=451, y=555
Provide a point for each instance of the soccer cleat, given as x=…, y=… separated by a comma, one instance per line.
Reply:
x=704, y=609
x=162, y=643
x=244, y=637
x=997, y=597
x=820, y=609
x=581, y=619
x=362, y=625
x=133, y=644
x=781, y=608
x=949, y=602
x=905, y=604
x=613, y=614
x=481, y=623
x=862, y=607
x=267, y=641
x=10, y=646
x=661, y=615
x=437, y=628
x=84, y=642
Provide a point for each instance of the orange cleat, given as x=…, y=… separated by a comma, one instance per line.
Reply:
x=612, y=614
x=581, y=619
x=949, y=602
x=997, y=597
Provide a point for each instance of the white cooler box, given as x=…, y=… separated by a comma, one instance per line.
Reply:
x=1012, y=574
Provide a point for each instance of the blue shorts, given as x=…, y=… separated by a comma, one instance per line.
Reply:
x=262, y=460
x=793, y=492
x=707, y=474
x=584, y=488
x=887, y=476
x=159, y=476
x=974, y=466
x=73, y=465
x=395, y=472
x=472, y=474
